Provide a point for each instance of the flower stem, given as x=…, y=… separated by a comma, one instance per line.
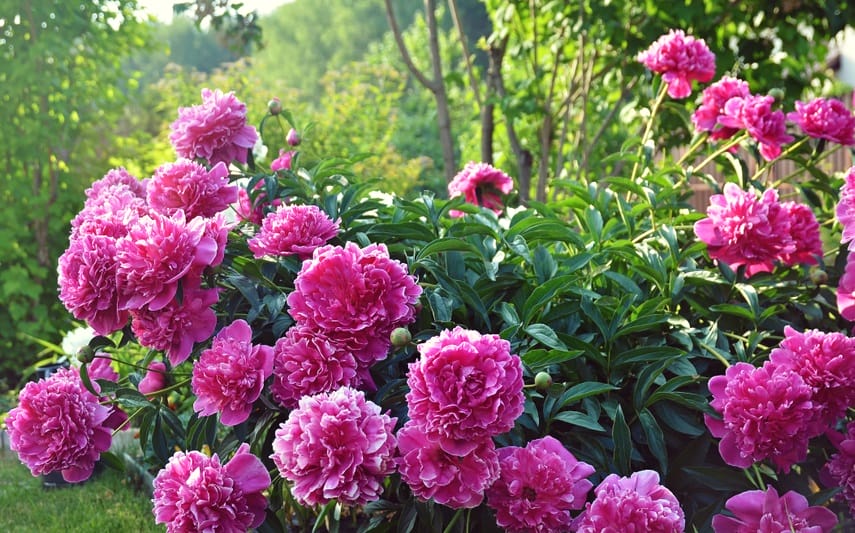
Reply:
x=453, y=521
x=768, y=165
x=733, y=141
x=648, y=128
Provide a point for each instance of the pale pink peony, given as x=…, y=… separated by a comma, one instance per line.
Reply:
x=284, y=161
x=154, y=379
x=465, y=388
x=110, y=215
x=59, y=426
x=293, y=229
x=215, y=131
x=755, y=114
x=741, y=229
x=229, y=376
x=804, y=232
x=846, y=289
x=188, y=186
x=355, y=296
x=845, y=209
x=194, y=492
x=680, y=58
x=481, y=184
x=538, y=486
x=306, y=363
x=840, y=469
x=705, y=117
x=176, y=327
x=87, y=283
x=114, y=181
x=757, y=511
x=431, y=473
x=335, y=446
x=766, y=413
x=634, y=504
x=825, y=118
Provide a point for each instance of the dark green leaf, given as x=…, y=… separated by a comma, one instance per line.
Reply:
x=623, y=442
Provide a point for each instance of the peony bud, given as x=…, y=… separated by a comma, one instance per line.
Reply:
x=274, y=106
x=293, y=137
x=86, y=354
x=818, y=276
x=542, y=381
x=154, y=379
x=400, y=337
x=777, y=93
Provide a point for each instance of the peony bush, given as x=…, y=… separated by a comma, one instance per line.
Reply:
x=296, y=352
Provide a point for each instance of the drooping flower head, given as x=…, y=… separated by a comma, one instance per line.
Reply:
x=804, y=233
x=335, y=446
x=464, y=388
x=757, y=511
x=284, y=161
x=538, y=486
x=825, y=118
x=680, y=58
x=293, y=229
x=705, y=117
x=840, y=469
x=194, y=492
x=767, y=126
x=481, y=184
x=229, y=376
x=845, y=209
x=58, y=425
x=450, y=480
x=154, y=378
x=634, y=504
x=215, y=131
x=188, y=186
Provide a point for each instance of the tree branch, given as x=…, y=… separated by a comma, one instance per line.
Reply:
x=405, y=54
x=473, y=83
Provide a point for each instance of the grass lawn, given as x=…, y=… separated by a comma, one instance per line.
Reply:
x=104, y=504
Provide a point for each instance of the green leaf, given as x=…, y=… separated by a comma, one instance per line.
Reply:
x=646, y=378
x=623, y=442
x=543, y=294
x=583, y=390
x=655, y=438
x=445, y=244
x=537, y=360
x=545, y=335
x=112, y=460
x=579, y=419
x=131, y=399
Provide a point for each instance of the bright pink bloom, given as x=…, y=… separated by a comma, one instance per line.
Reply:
x=767, y=413
x=431, y=473
x=175, y=328
x=680, y=58
x=335, y=446
x=846, y=289
x=705, y=117
x=283, y=162
x=825, y=118
x=59, y=425
x=481, y=184
x=804, y=232
x=465, y=388
x=306, y=363
x=845, y=210
x=154, y=379
x=101, y=368
x=538, y=486
x=757, y=511
x=194, y=492
x=110, y=214
x=188, y=186
x=634, y=504
x=767, y=126
x=229, y=376
x=840, y=469
x=217, y=228
x=293, y=138
x=110, y=185
x=216, y=130
x=741, y=229
x=293, y=229
x=355, y=296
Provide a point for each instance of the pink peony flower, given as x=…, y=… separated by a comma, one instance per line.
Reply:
x=229, y=376
x=825, y=118
x=757, y=511
x=216, y=130
x=335, y=446
x=102, y=368
x=680, y=58
x=431, y=473
x=59, y=425
x=804, y=232
x=705, y=117
x=283, y=162
x=840, y=469
x=110, y=215
x=293, y=229
x=634, y=504
x=112, y=183
x=845, y=210
x=253, y=211
x=217, y=228
x=188, y=186
x=767, y=413
x=154, y=379
x=194, y=492
x=846, y=289
x=87, y=283
x=465, y=388
x=481, y=184
x=767, y=126
x=175, y=328
x=355, y=296
x=306, y=363
x=741, y=229
x=538, y=486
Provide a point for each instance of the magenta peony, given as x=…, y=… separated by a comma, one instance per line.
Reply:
x=538, y=486
x=112, y=183
x=755, y=114
x=215, y=131
x=840, y=469
x=217, y=229
x=680, y=58
x=845, y=209
x=154, y=379
x=431, y=473
x=743, y=230
x=335, y=446
x=194, y=492
x=229, y=376
x=58, y=425
x=481, y=184
x=465, y=388
x=634, y=504
x=705, y=117
x=293, y=229
x=283, y=162
x=355, y=296
x=305, y=363
x=825, y=118
x=767, y=413
x=757, y=511
x=188, y=186
x=846, y=289
x=804, y=232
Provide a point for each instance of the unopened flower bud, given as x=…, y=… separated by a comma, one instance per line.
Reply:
x=818, y=276
x=86, y=354
x=400, y=337
x=293, y=137
x=777, y=93
x=542, y=381
x=274, y=106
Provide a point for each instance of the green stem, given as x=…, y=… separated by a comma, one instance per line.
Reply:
x=695, y=145
x=127, y=422
x=813, y=161
x=790, y=149
x=453, y=521
x=648, y=128
x=759, y=477
x=733, y=141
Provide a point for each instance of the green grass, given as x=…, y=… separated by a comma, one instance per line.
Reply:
x=104, y=504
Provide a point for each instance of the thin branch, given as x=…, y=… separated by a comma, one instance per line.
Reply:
x=476, y=91
x=405, y=54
